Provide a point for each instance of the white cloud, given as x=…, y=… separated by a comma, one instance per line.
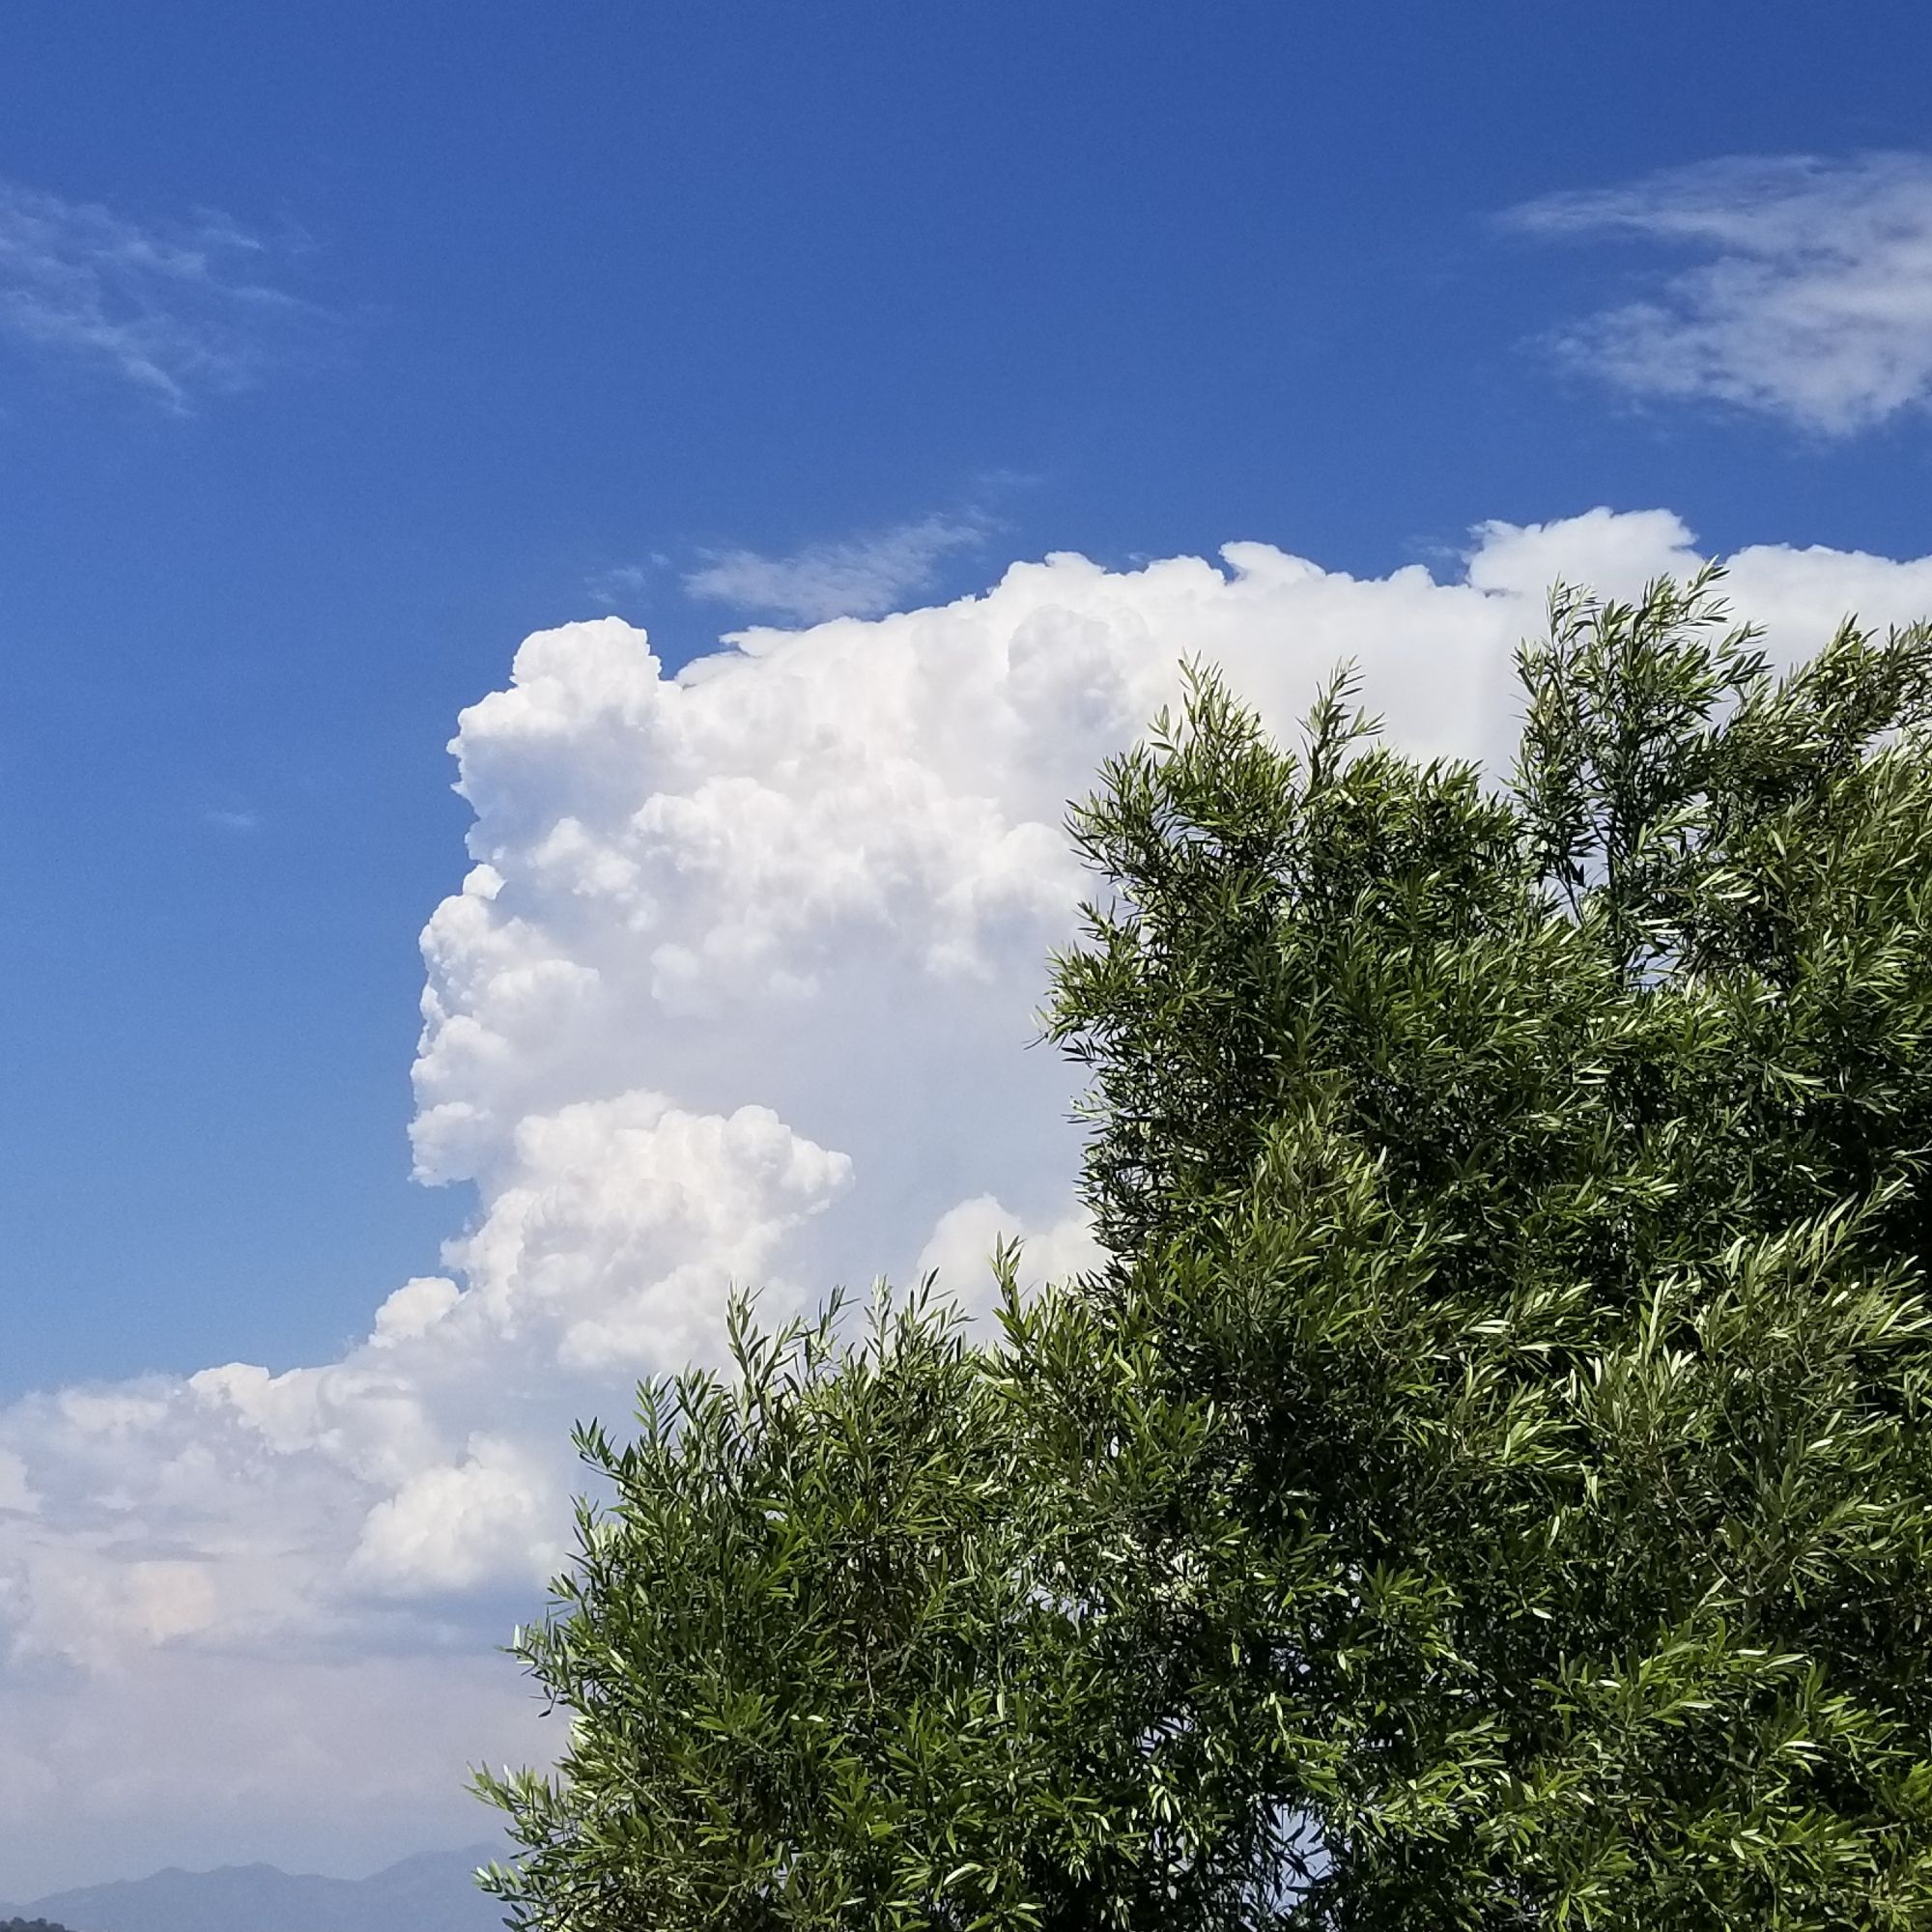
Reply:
x=738, y=990
x=1811, y=299
x=965, y=1237
x=455, y=1524
x=413, y=1310
x=860, y=577
x=175, y=308
x=616, y=1232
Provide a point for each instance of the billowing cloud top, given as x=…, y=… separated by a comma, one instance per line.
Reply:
x=738, y=989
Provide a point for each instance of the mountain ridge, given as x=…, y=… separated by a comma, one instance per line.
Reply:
x=427, y=1891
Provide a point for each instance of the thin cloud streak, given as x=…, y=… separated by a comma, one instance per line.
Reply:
x=619, y=588
x=1813, y=301
x=860, y=577
x=178, y=310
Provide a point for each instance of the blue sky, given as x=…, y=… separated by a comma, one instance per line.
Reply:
x=343, y=346
x=594, y=285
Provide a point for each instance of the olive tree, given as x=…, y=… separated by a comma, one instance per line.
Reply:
x=1488, y=1483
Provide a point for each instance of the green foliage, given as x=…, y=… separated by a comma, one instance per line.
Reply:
x=1488, y=1484
x=810, y=1649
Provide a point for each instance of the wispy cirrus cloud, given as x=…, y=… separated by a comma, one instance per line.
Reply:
x=1812, y=300
x=621, y=586
x=858, y=577
x=177, y=309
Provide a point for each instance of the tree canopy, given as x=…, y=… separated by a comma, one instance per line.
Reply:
x=1488, y=1483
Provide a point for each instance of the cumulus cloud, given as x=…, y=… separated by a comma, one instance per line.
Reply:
x=737, y=989
x=456, y=1524
x=1808, y=296
x=860, y=577
x=178, y=309
x=956, y=1252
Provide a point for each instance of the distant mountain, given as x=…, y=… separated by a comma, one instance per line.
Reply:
x=432, y=1892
